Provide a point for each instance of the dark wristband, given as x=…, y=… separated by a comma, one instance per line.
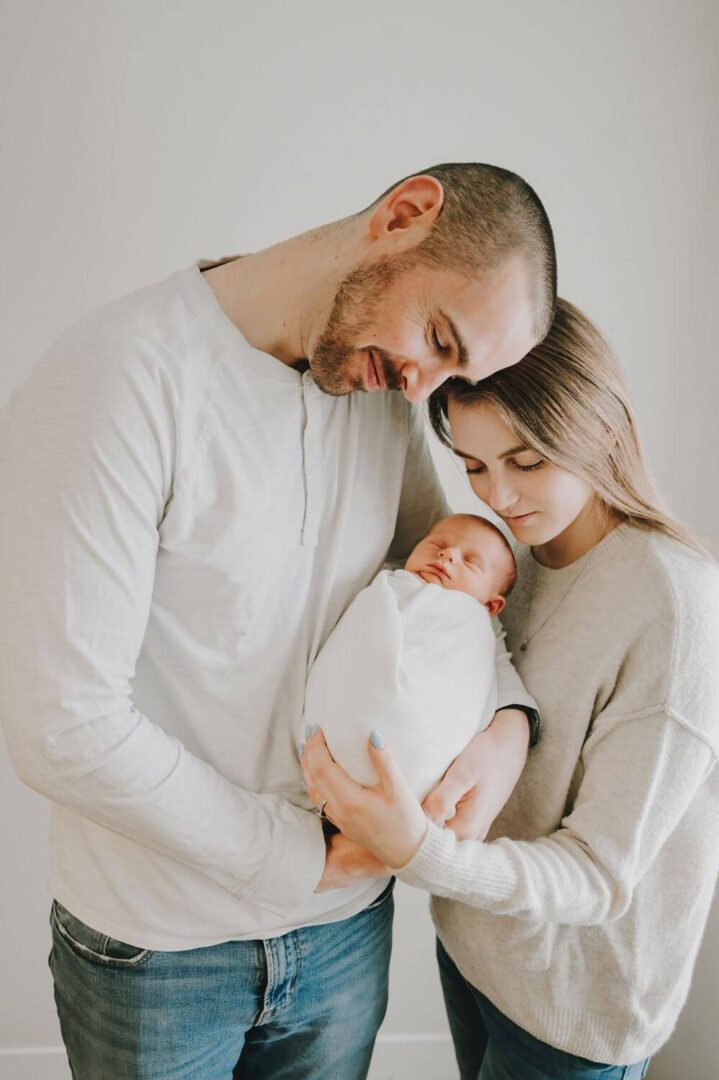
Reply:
x=532, y=719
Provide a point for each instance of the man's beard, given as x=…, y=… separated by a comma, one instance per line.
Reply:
x=353, y=313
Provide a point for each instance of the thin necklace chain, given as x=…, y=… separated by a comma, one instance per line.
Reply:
x=529, y=637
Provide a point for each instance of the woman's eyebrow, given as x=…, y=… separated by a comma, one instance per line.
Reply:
x=473, y=457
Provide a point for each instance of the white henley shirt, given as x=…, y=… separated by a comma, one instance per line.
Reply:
x=184, y=520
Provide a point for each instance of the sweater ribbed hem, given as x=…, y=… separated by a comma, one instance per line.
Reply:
x=580, y=1029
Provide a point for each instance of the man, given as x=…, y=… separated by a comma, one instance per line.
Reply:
x=196, y=482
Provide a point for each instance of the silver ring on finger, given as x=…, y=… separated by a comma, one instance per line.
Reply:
x=320, y=810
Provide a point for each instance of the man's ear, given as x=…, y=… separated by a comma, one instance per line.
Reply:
x=408, y=211
x=495, y=605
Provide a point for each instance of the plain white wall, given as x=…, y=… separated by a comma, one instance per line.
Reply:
x=137, y=136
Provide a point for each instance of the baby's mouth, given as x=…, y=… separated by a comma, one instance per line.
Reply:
x=438, y=569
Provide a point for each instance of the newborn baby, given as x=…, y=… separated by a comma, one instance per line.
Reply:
x=414, y=655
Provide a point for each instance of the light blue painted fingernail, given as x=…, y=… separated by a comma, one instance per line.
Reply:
x=301, y=748
x=376, y=739
x=308, y=731
x=314, y=728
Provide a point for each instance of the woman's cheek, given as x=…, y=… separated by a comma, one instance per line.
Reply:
x=480, y=487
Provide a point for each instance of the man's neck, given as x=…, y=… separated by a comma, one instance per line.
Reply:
x=279, y=298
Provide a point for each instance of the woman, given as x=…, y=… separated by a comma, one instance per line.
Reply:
x=566, y=942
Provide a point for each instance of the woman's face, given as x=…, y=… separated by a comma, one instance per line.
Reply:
x=538, y=500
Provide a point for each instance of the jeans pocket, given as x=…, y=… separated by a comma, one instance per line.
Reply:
x=92, y=945
x=637, y=1070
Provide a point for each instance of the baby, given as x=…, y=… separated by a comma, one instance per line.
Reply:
x=414, y=655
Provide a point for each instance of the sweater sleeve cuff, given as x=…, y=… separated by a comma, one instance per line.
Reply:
x=472, y=871
x=298, y=864
x=511, y=692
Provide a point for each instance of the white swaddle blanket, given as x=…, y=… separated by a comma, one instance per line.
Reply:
x=415, y=661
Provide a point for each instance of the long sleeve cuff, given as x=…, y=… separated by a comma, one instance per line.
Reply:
x=298, y=865
x=468, y=870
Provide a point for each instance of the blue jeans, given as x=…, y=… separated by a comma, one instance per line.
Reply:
x=307, y=1004
x=488, y=1046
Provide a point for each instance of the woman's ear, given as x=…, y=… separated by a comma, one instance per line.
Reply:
x=495, y=605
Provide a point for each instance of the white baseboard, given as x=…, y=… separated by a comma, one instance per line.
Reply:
x=413, y=1057
x=34, y=1063
x=396, y=1057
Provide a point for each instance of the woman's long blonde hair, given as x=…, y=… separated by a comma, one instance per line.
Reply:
x=568, y=401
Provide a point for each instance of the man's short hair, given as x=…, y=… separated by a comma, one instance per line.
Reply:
x=488, y=215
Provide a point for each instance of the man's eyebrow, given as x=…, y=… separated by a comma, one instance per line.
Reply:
x=507, y=453
x=462, y=350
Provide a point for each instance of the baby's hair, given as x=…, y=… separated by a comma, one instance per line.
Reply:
x=510, y=578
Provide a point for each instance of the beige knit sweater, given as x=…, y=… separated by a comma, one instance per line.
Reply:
x=582, y=916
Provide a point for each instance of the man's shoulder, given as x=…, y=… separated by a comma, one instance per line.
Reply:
x=145, y=342
x=151, y=317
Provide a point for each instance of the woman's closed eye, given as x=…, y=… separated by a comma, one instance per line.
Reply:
x=479, y=468
x=529, y=467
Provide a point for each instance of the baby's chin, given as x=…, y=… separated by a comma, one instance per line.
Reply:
x=432, y=577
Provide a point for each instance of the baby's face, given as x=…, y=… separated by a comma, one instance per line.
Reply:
x=462, y=554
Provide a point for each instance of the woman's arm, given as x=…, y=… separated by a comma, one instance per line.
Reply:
x=642, y=770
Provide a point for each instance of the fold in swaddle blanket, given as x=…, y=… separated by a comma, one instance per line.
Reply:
x=415, y=661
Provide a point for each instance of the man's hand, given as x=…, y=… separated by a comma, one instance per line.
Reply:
x=480, y=780
x=347, y=863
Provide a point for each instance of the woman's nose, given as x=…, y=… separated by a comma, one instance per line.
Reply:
x=501, y=495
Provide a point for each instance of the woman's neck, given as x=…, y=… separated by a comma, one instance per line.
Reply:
x=591, y=525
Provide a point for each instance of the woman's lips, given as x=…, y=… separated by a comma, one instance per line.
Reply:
x=519, y=519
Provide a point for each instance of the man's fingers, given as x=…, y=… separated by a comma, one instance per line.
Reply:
x=464, y=828
x=440, y=805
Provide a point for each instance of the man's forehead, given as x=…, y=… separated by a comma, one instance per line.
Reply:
x=493, y=313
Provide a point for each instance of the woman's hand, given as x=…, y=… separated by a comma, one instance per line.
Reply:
x=347, y=863
x=479, y=781
x=385, y=819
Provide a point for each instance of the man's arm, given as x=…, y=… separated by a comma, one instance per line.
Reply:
x=88, y=454
x=478, y=783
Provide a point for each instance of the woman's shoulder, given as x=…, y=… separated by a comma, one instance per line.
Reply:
x=686, y=582
x=676, y=641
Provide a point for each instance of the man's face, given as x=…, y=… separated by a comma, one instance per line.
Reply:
x=394, y=327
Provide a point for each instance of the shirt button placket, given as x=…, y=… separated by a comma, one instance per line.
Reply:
x=312, y=454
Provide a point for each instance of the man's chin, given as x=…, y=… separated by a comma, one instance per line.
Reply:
x=335, y=383
x=333, y=389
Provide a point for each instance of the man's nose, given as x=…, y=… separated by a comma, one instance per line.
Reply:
x=419, y=380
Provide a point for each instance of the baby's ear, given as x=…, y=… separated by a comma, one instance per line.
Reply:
x=495, y=605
